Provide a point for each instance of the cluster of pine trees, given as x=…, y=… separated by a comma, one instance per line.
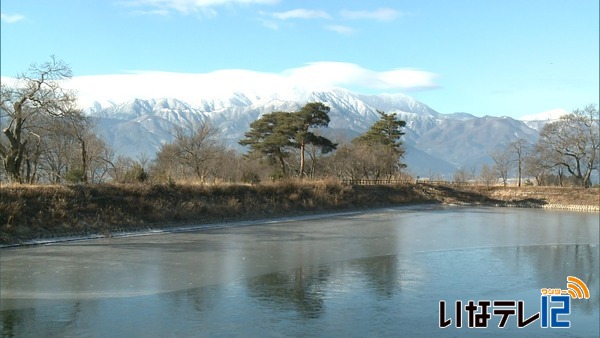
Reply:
x=277, y=135
x=285, y=145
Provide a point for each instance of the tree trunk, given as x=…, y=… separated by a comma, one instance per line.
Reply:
x=282, y=162
x=84, y=161
x=586, y=177
x=519, y=170
x=14, y=156
x=560, y=178
x=302, y=146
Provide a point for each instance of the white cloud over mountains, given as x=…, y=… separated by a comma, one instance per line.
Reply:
x=222, y=83
x=342, y=74
x=552, y=114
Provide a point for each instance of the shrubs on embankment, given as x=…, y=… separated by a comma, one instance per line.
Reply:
x=28, y=212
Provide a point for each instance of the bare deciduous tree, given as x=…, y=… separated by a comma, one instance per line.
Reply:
x=535, y=166
x=520, y=149
x=488, y=175
x=576, y=139
x=193, y=152
x=80, y=129
x=36, y=93
x=461, y=176
x=503, y=163
x=99, y=158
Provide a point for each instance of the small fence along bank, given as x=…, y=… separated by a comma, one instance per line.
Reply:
x=377, y=182
x=401, y=182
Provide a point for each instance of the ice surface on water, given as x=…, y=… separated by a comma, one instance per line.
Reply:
x=359, y=274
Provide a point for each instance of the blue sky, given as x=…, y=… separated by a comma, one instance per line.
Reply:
x=490, y=57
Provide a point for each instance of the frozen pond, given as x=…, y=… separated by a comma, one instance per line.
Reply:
x=380, y=273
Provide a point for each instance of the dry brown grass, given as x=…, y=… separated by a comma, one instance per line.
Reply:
x=28, y=212
x=545, y=195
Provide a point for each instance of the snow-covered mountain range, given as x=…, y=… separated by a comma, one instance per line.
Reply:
x=436, y=143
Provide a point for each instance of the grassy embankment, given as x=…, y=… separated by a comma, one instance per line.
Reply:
x=30, y=212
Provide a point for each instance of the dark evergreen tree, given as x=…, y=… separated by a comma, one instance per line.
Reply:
x=274, y=134
x=312, y=115
x=386, y=131
x=269, y=136
x=383, y=138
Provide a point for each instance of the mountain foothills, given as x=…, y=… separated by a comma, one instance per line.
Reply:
x=436, y=144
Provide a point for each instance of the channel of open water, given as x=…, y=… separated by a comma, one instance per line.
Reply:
x=381, y=273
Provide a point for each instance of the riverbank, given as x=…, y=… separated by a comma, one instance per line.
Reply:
x=43, y=212
x=563, y=198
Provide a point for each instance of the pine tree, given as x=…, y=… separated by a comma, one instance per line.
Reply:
x=386, y=131
x=274, y=134
x=269, y=136
x=312, y=115
x=383, y=139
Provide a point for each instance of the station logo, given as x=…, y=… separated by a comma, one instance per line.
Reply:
x=555, y=305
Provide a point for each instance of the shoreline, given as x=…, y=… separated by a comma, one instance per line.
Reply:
x=184, y=227
x=179, y=228
x=41, y=215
